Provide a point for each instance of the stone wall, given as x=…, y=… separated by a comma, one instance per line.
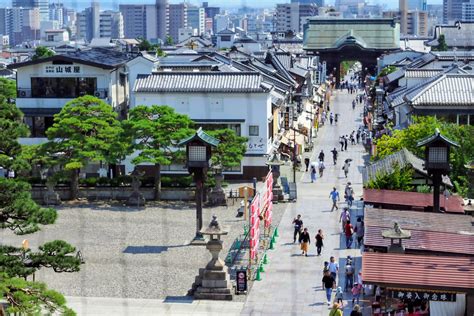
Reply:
x=115, y=193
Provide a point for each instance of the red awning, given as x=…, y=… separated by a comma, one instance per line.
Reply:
x=413, y=271
x=392, y=198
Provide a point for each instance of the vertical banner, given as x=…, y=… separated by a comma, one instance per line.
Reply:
x=254, y=226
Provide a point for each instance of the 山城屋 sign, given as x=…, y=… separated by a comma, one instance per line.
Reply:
x=424, y=295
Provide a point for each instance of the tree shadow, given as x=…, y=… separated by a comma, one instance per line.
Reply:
x=138, y=250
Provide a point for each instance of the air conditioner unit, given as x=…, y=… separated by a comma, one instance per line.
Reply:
x=100, y=94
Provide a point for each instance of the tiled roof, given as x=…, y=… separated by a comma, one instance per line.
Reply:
x=445, y=90
x=225, y=32
x=231, y=82
x=422, y=72
x=412, y=271
x=97, y=57
x=386, y=165
x=299, y=71
x=397, y=74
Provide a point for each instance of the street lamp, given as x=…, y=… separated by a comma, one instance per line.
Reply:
x=198, y=155
x=437, y=149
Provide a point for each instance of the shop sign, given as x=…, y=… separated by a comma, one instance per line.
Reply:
x=62, y=69
x=424, y=295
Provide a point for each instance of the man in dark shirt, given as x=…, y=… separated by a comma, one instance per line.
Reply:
x=298, y=223
x=328, y=284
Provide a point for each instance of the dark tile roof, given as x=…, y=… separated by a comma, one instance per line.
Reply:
x=231, y=82
x=97, y=57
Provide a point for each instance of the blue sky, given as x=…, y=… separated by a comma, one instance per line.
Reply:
x=106, y=4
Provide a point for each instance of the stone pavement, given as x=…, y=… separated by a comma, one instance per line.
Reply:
x=101, y=306
x=291, y=284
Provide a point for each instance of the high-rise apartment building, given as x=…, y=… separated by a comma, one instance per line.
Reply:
x=415, y=23
x=291, y=16
x=452, y=10
x=57, y=12
x=162, y=18
x=178, y=18
x=211, y=12
x=319, y=3
x=42, y=5
x=20, y=24
x=91, y=23
x=468, y=11
x=197, y=19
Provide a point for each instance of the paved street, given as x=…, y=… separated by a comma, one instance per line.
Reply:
x=292, y=283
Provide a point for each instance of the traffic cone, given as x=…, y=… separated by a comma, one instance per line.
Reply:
x=258, y=277
x=276, y=232
x=271, y=245
x=265, y=259
x=260, y=268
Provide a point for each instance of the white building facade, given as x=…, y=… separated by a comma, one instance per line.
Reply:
x=239, y=101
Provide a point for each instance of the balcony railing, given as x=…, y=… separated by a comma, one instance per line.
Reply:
x=27, y=93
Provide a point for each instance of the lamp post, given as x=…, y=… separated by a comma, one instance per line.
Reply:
x=198, y=155
x=437, y=148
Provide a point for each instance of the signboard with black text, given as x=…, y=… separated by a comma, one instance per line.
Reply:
x=424, y=295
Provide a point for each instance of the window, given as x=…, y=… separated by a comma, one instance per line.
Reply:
x=253, y=130
x=38, y=125
x=62, y=87
x=225, y=38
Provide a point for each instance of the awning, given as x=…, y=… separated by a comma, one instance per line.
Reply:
x=289, y=136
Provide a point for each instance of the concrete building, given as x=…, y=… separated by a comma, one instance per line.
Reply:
x=111, y=24
x=221, y=22
x=178, y=18
x=92, y=23
x=419, y=5
x=452, y=10
x=162, y=19
x=197, y=19
x=20, y=24
x=413, y=22
x=57, y=12
x=468, y=11
x=211, y=12
x=185, y=33
x=319, y=3
x=291, y=16
x=42, y=5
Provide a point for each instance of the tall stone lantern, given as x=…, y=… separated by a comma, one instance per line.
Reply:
x=198, y=155
x=213, y=282
x=274, y=163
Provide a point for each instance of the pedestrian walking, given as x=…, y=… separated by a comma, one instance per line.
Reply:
x=352, y=139
x=349, y=270
x=334, y=195
x=334, y=155
x=346, y=138
x=306, y=162
x=336, y=117
x=321, y=168
x=323, y=117
x=335, y=310
x=331, y=118
x=329, y=283
x=305, y=240
x=353, y=104
x=297, y=224
x=341, y=141
x=349, y=231
x=333, y=267
x=359, y=229
x=356, y=311
x=339, y=297
x=319, y=241
x=344, y=217
x=321, y=155
x=358, y=136
x=313, y=173
x=356, y=290
x=349, y=194
x=346, y=168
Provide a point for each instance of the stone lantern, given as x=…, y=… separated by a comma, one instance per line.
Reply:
x=217, y=194
x=213, y=282
x=437, y=148
x=274, y=163
x=396, y=234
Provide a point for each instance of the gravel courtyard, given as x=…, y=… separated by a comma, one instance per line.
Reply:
x=130, y=252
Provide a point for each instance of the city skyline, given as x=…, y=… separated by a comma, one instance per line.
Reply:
x=78, y=5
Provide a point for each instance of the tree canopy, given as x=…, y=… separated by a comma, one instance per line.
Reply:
x=425, y=126
x=154, y=131
x=400, y=179
x=231, y=148
x=7, y=88
x=442, y=46
x=20, y=214
x=42, y=52
x=85, y=130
